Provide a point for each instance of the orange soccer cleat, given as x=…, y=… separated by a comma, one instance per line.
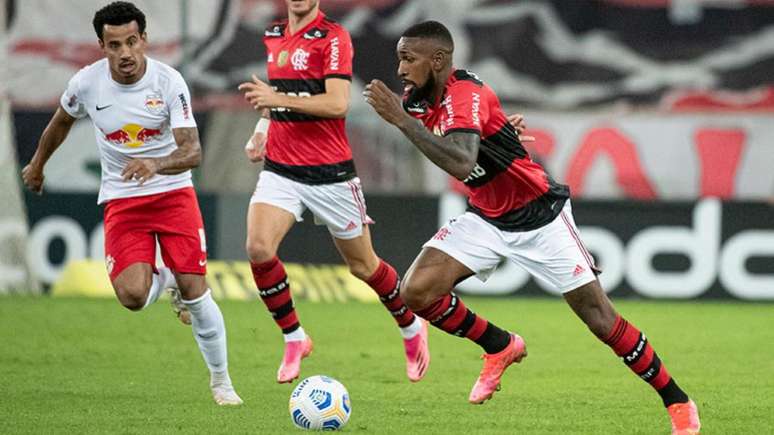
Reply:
x=685, y=418
x=291, y=361
x=417, y=354
x=494, y=366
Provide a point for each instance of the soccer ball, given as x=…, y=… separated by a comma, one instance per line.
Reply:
x=319, y=402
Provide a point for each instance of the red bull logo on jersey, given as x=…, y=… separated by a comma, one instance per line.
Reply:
x=154, y=104
x=133, y=135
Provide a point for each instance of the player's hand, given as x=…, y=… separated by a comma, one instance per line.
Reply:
x=141, y=170
x=386, y=103
x=259, y=94
x=255, y=149
x=517, y=121
x=33, y=178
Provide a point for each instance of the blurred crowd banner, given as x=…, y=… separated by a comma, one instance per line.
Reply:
x=674, y=250
x=551, y=54
x=636, y=99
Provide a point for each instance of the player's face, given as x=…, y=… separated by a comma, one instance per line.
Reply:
x=301, y=7
x=415, y=68
x=124, y=47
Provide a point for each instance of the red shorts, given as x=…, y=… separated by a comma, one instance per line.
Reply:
x=132, y=226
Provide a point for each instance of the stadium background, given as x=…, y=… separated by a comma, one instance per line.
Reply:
x=657, y=113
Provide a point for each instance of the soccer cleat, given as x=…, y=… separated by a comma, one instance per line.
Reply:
x=225, y=395
x=685, y=418
x=494, y=366
x=180, y=309
x=417, y=354
x=291, y=361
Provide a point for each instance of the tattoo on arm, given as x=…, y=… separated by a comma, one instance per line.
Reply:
x=188, y=154
x=455, y=153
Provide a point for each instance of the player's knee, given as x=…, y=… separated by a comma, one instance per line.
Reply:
x=258, y=251
x=132, y=296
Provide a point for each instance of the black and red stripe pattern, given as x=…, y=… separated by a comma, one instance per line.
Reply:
x=450, y=314
x=635, y=351
x=386, y=284
x=273, y=288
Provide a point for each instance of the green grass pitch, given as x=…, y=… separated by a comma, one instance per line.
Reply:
x=89, y=366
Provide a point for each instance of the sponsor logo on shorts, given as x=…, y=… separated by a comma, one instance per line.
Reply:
x=578, y=270
x=351, y=226
x=203, y=263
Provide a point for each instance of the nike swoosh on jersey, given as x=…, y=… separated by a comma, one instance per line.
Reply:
x=103, y=107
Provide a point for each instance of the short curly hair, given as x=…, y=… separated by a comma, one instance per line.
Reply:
x=116, y=14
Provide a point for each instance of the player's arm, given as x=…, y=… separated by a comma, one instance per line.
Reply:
x=333, y=103
x=255, y=148
x=188, y=155
x=55, y=133
x=455, y=153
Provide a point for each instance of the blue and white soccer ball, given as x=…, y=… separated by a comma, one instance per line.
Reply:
x=319, y=403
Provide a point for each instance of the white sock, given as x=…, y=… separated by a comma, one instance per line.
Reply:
x=220, y=379
x=160, y=282
x=410, y=331
x=296, y=335
x=209, y=331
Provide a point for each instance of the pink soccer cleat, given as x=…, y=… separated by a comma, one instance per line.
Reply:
x=494, y=366
x=417, y=354
x=685, y=418
x=291, y=361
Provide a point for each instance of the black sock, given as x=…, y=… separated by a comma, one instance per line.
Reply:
x=493, y=339
x=671, y=394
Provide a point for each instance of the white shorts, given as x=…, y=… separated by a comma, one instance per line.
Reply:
x=553, y=253
x=339, y=206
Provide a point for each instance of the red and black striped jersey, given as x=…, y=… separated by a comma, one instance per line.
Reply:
x=308, y=148
x=505, y=188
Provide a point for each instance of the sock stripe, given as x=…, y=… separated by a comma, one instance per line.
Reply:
x=283, y=310
x=618, y=330
x=651, y=370
x=274, y=289
x=467, y=323
x=391, y=296
x=634, y=355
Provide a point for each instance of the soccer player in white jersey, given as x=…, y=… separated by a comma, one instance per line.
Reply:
x=148, y=143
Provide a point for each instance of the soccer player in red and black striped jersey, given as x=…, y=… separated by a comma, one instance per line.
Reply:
x=308, y=165
x=516, y=212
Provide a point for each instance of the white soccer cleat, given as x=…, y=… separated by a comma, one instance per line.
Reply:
x=225, y=396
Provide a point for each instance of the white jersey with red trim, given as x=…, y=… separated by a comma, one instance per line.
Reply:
x=132, y=121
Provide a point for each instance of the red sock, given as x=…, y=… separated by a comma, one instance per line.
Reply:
x=386, y=284
x=273, y=287
x=450, y=314
x=632, y=346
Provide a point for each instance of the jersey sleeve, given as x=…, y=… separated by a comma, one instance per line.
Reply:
x=465, y=110
x=179, y=103
x=337, y=56
x=72, y=100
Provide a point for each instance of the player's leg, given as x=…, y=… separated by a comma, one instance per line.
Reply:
x=358, y=253
x=130, y=253
x=183, y=248
x=592, y=305
x=568, y=265
x=209, y=331
x=274, y=208
x=427, y=289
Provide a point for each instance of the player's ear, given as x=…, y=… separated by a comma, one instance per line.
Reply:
x=144, y=36
x=439, y=59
